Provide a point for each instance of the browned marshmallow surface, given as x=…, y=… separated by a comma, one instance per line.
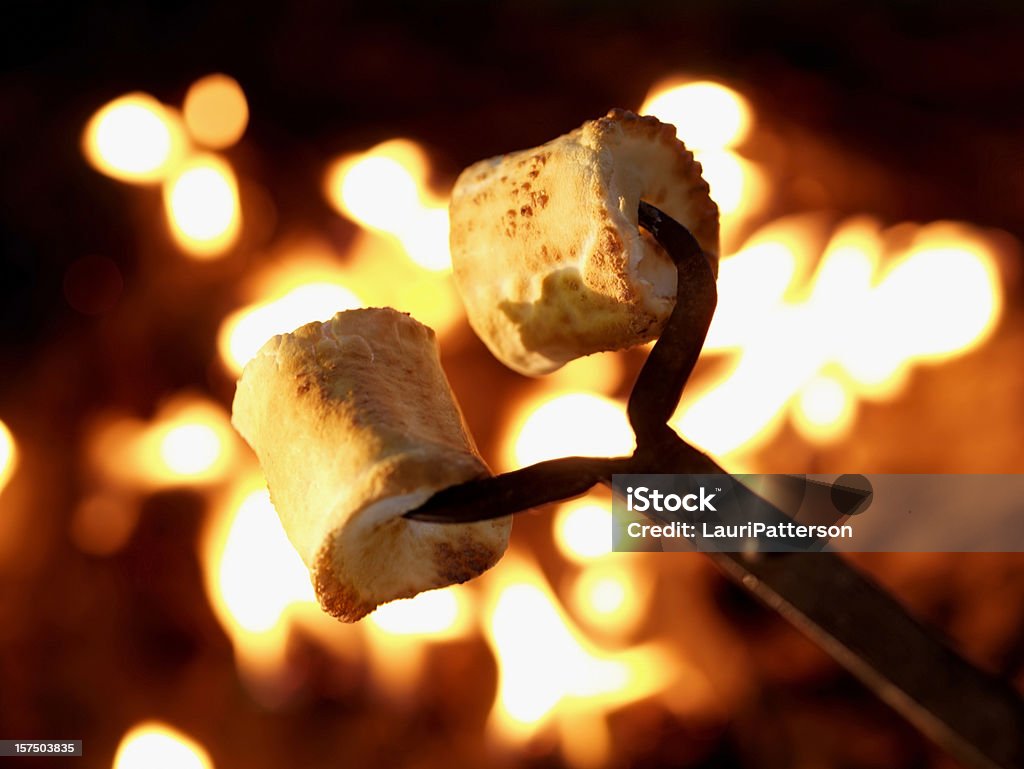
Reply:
x=547, y=254
x=354, y=424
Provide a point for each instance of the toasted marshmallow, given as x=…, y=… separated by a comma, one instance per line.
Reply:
x=354, y=424
x=547, y=254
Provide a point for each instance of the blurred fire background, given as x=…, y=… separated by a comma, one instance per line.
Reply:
x=158, y=224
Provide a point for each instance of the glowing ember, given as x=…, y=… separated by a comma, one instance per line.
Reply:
x=385, y=190
x=216, y=111
x=244, y=331
x=153, y=745
x=201, y=201
x=583, y=528
x=862, y=316
x=570, y=424
x=8, y=455
x=134, y=139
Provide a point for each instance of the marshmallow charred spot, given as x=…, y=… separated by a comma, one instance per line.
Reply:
x=548, y=257
x=355, y=424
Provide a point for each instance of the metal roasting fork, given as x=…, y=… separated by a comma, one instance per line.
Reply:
x=976, y=717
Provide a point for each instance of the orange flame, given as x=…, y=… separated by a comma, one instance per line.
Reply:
x=610, y=595
x=385, y=190
x=304, y=294
x=569, y=424
x=255, y=581
x=583, y=528
x=383, y=276
x=137, y=139
x=216, y=111
x=260, y=590
x=201, y=201
x=304, y=282
x=188, y=442
x=8, y=455
x=550, y=674
x=399, y=633
x=134, y=139
x=706, y=114
x=601, y=372
x=712, y=120
x=154, y=745
x=853, y=330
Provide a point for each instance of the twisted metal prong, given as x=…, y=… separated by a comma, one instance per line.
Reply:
x=654, y=398
x=660, y=383
x=513, y=492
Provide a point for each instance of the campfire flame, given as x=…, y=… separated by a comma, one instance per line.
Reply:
x=573, y=423
x=261, y=593
x=441, y=614
x=610, y=596
x=399, y=634
x=707, y=115
x=203, y=212
x=583, y=528
x=817, y=346
x=216, y=111
x=256, y=583
x=385, y=190
x=713, y=121
x=257, y=595
x=134, y=139
x=137, y=139
x=313, y=292
x=602, y=372
x=8, y=455
x=188, y=442
x=154, y=745
x=550, y=673
x=405, y=231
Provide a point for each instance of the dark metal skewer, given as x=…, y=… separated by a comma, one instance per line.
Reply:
x=977, y=718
